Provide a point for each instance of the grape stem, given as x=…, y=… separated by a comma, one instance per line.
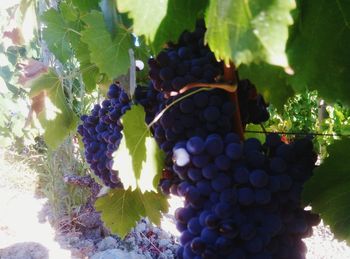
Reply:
x=226, y=87
x=229, y=76
x=300, y=133
x=263, y=128
x=159, y=115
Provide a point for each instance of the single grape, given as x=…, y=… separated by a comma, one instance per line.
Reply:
x=194, y=174
x=262, y=196
x=203, y=216
x=181, y=157
x=211, y=113
x=195, y=145
x=254, y=245
x=193, y=226
x=214, y=145
x=228, y=229
x=198, y=245
x=204, y=187
x=212, y=221
x=234, y=151
x=258, y=178
x=192, y=194
x=223, y=210
x=222, y=162
x=187, y=105
x=224, y=245
x=201, y=99
x=200, y=161
x=229, y=196
x=210, y=171
x=247, y=231
x=221, y=182
x=246, y=196
x=183, y=215
x=166, y=73
x=241, y=175
x=209, y=236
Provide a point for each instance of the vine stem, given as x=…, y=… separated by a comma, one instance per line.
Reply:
x=230, y=87
x=159, y=115
x=226, y=87
x=230, y=76
x=263, y=129
x=300, y=133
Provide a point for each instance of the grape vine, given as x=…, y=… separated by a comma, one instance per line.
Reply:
x=242, y=197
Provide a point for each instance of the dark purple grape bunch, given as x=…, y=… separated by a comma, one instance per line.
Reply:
x=252, y=105
x=242, y=200
x=101, y=132
x=201, y=114
x=186, y=62
x=150, y=99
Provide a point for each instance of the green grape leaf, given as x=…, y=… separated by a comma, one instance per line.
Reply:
x=58, y=34
x=142, y=53
x=246, y=31
x=57, y=119
x=138, y=159
x=162, y=21
x=328, y=190
x=68, y=11
x=110, y=56
x=271, y=81
x=122, y=209
x=318, y=49
x=88, y=70
x=86, y=5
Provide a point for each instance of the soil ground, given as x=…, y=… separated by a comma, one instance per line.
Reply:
x=25, y=231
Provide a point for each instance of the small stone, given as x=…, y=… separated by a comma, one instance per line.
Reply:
x=141, y=227
x=107, y=243
x=116, y=254
x=163, y=242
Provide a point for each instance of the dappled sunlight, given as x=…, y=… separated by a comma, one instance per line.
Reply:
x=323, y=245
x=168, y=220
x=51, y=110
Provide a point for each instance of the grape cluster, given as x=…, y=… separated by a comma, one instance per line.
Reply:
x=101, y=132
x=183, y=63
x=242, y=200
x=252, y=105
x=200, y=114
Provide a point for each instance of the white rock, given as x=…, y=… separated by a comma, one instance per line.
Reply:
x=141, y=227
x=107, y=243
x=163, y=242
x=116, y=254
